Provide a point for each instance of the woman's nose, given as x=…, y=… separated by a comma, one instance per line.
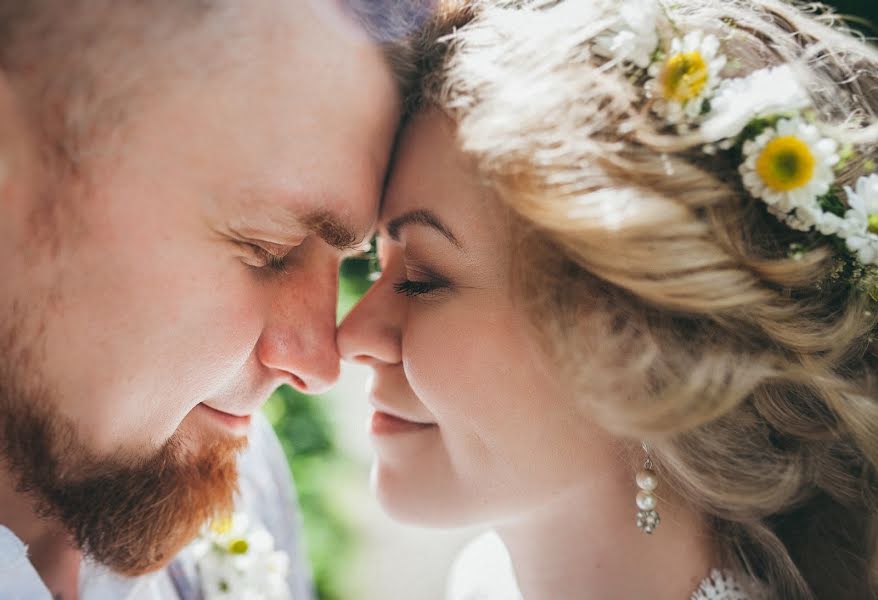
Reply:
x=372, y=332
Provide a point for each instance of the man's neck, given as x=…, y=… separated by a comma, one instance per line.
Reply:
x=574, y=549
x=50, y=549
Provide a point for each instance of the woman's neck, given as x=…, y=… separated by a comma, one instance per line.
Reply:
x=572, y=548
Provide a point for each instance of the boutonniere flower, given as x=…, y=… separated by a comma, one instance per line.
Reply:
x=236, y=560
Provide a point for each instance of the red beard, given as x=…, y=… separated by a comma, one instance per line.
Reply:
x=131, y=515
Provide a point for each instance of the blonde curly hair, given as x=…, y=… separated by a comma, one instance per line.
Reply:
x=648, y=267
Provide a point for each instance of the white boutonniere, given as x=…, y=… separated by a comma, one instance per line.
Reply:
x=236, y=560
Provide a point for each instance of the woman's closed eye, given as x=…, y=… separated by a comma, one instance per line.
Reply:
x=411, y=288
x=420, y=282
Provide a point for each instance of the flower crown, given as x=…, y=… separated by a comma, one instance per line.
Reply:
x=787, y=161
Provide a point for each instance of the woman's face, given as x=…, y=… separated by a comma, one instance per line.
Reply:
x=471, y=422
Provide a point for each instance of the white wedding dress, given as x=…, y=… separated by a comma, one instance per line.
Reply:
x=483, y=571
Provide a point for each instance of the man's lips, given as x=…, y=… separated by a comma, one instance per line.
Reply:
x=237, y=424
x=233, y=413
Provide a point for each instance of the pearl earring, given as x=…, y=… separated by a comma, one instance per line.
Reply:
x=647, y=517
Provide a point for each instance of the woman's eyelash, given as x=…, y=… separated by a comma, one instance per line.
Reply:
x=416, y=288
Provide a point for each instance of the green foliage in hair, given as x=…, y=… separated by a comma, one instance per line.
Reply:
x=832, y=202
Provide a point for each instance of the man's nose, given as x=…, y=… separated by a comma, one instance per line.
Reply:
x=298, y=340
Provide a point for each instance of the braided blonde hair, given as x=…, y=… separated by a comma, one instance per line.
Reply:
x=647, y=267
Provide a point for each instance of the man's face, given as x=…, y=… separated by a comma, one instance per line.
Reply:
x=195, y=267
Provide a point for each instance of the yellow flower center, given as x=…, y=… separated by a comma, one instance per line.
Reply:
x=785, y=164
x=873, y=223
x=239, y=547
x=221, y=525
x=684, y=76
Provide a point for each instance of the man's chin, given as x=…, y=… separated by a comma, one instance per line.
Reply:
x=131, y=514
x=163, y=507
x=134, y=515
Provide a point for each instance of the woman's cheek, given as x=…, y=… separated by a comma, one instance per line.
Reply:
x=429, y=342
x=448, y=353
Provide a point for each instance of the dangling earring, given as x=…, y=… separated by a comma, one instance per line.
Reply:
x=647, y=517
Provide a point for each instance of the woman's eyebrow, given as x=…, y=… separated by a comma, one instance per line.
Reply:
x=420, y=217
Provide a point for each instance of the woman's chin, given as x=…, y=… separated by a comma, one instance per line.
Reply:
x=417, y=499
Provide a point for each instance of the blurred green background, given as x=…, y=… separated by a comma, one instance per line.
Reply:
x=309, y=439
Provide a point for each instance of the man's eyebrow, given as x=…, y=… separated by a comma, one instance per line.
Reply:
x=332, y=230
x=420, y=217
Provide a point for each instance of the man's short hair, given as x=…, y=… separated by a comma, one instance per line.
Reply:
x=77, y=61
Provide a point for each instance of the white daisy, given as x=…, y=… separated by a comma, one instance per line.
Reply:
x=800, y=222
x=806, y=218
x=861, y=235
x=686, y=78
x=633, y=36
x=763, y=93
x=790, y=165
x=830, y=224
x=790, y=219
x=236, y=560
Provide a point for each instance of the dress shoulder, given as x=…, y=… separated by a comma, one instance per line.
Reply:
x=483, y=571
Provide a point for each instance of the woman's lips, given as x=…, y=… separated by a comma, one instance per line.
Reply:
x=383, y=423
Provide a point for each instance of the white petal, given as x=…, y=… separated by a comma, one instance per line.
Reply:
x=867, y=186
x=867, y=254
x=693, y=41
x=830, y=224
x=261, y=541
x=789, y=127
x=763, y=93
x=828, y=147
x=855, y=242
x=857, y=205
x=710, y=46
